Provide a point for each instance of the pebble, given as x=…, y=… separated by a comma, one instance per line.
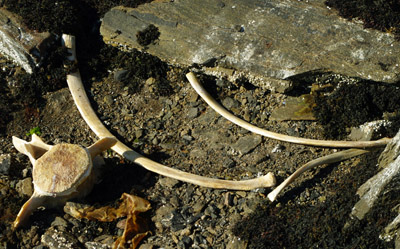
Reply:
x=96, y=245
x=185, y=242
x=108, y=99
x=193, y=112
x=198, y=206
x=105, y=239
x=55, y=239
x=150, y=81
x=228, y=163
x=278, y=148
x=168, y=182
x=187, y=138
x=120, y=75
x=139, y=133
x=230, y=103
x=58, y=221
x=247, y=143
x=5, y=163
x=25, y=186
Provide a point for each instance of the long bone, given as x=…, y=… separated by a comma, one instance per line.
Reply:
x=82, y=102
x=297, y=140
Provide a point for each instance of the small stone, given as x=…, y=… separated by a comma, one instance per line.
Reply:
x=228, y=163
x=55, y=239
x=193, y=112
x=168, y=182
x=185, y=242
x=245, y=144
x=25, y=173
x=58, y=221
x=5, y=163
x=120, y=75
x=198, y=206
x=105, y=239
x=193, y=96
x=194, y=218
x=25, y=186
x=174, y=220
x=96, y=245
x=187, y=138
x=150, y=81
x=146, y=246
x=230, y=103
x=155, y=141
x=108, y=99
x=162, y=214
x=278, y=148
x=139, y=133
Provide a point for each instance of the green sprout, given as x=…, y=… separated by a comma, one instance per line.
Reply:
x=35, y=130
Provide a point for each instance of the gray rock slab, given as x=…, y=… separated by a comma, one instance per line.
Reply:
x=266, y=42
x=21, y=45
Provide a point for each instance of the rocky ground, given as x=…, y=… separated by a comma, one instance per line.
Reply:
x=151, y=107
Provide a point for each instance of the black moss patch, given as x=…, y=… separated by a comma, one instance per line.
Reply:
x=354, y=104
x=148, y=36
x=383, y=15
x=138, y=66
x=294, y=224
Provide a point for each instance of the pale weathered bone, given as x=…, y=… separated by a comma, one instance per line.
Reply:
x=332, y=158
x=60, y=172
x=82, y=102
x=297, y=140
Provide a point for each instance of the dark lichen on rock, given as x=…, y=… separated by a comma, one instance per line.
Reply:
x=148, y=36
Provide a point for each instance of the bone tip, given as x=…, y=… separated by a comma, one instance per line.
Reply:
x=273, y=195
x=270, y=180
x=17, y=223
x=22, y=218
x=16, y=140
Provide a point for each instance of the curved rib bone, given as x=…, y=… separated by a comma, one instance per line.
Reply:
x=332, y=158
x=82, y=102
x=297, y=140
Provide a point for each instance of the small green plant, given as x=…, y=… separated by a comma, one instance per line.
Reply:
x=34, y=130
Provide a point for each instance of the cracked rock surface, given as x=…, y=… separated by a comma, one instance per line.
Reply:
x=267, y=42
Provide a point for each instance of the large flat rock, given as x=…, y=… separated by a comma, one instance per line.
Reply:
x=265, y=41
